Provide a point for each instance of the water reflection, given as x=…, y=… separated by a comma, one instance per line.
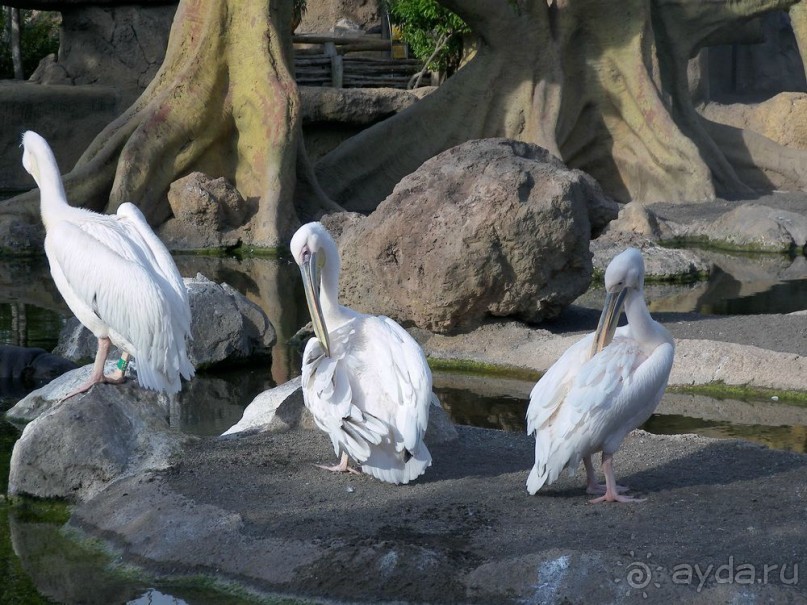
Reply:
x=502, y=404
x=739, y=285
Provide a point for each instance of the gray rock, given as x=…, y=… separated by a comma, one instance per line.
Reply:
x=282, y=409
x=117, y=46
x=31, y=365
x=227, y=329
x=754, y=227
x=78, y=344
x=75, y=448
x=352, y=106
x=661, y=264
x=639, y=227
x=489, y=228
x=207, y=213
x=68, y=116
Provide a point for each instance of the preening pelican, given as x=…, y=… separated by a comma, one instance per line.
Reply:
x=602, y=387
x=117, y=278
x=365, y=380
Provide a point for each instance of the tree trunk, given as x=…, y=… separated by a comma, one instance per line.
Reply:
x=224, y=102
x=14, y=41
x=601, y=85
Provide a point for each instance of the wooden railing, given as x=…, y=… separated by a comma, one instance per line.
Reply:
x=322, y=61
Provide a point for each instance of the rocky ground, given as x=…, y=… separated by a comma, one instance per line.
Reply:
x=723, y=521
x=254, y=508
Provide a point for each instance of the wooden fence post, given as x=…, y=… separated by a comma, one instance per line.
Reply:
x=336, y=64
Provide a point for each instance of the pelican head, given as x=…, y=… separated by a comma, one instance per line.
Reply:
x=310, y=247
x=30, y=142
x=624, y=272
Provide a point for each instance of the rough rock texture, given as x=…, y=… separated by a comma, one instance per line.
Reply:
x=76, y=113
x=227, y=329
x=118, y=46
x=491, y=227
x=73, y=449
x=639, y=227
x=283, y=408
x=206, y=213
x=264, y=516
x=782, y=118
x=754, y=227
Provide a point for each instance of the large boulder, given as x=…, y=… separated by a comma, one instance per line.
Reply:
x=73, y=449
x=227, y=328
x=492, y=227
x=207, y=213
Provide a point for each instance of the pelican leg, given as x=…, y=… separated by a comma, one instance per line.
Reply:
x=593, y=487
x=611, y=492
x=97, y=370
x=119, y=375
x=342, y=467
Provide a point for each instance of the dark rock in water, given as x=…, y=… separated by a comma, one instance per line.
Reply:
x=492, y=227
x=31, y=366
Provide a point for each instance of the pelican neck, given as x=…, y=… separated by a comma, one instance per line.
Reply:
x=334, y=314
x=641, y=323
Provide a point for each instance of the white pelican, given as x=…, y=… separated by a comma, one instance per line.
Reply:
x=118, y=279
x=365, y=380
x=597, y=392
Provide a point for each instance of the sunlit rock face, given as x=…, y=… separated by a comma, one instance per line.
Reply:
x=489, y=228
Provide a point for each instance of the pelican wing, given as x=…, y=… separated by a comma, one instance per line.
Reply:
x=596, y=406
x=106, y=274
x=551, y=390
x=328, y=394
x=407, y=380
x=136, y=223
x=376, y=380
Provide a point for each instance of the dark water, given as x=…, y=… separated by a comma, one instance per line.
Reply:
x=39, y=564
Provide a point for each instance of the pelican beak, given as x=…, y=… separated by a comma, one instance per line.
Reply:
x=611, y=310
x=311, y=283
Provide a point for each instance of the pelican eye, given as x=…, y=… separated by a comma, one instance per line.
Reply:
x=306, y=255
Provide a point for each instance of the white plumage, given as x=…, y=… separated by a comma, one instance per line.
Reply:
x=117, y=277
x=365, y=380
x=597, y=392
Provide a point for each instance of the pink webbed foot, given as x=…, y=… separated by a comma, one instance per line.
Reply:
x=600, y=488
x=615, y=498
x=612, y=490
x=342, y=467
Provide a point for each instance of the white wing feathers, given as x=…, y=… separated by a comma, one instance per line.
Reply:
x=137, y=295
x=372, y=396
x=581, y=405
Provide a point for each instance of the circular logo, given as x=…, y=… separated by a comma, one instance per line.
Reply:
x=639, y=575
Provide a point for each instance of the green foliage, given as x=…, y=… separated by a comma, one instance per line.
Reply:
x=424, y=24
x=39, y=37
